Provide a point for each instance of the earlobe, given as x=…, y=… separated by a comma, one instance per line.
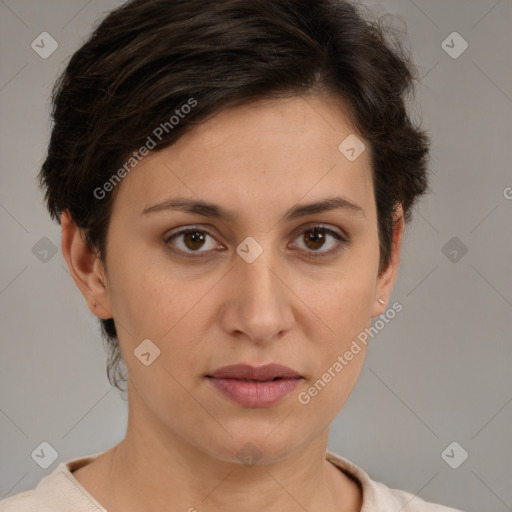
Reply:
x=85, y=268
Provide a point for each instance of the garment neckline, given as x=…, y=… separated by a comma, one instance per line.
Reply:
x=350, y=469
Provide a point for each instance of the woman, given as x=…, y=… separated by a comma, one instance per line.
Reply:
x=233, y=181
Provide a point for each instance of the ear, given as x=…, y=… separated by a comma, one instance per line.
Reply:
x=386, y=279
x=85, y=268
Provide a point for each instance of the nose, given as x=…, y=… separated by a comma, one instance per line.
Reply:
x=258, y=303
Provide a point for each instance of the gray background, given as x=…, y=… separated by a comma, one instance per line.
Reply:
x=439, y=372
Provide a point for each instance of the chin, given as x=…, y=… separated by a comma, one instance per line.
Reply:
x=250, y=445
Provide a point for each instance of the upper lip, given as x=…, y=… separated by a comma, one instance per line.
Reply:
x=246, y=371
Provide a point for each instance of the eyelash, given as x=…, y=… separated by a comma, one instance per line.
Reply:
x=342, y=241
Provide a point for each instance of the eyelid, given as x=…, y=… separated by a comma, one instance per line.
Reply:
x=327, y=227
x=341, y=237
x=188, y=229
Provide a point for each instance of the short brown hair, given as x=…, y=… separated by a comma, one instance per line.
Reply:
x=149, y=57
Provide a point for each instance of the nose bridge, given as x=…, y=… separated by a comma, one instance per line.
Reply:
x=259, y=305
x=259, y=282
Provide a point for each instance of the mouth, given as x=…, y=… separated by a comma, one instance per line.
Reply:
x=251, y=386
x=254, y=380
x=268, y=372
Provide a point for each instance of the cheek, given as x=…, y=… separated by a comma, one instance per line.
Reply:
x=337, y=360
x=345, y=301
x=148, y=296
x=326, y=395
x=173, y=312
x=345, y=307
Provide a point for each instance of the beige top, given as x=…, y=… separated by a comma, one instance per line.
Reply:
x=60, y=491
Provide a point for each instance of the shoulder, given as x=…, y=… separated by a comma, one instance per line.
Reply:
x=405, y=501
x=41, y=498
x=378, y=497
x=22, y=502
x=57, y=492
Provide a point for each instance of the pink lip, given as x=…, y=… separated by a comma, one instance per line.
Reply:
x=252, y=386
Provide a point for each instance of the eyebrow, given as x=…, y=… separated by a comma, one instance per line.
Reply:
x=206, y=209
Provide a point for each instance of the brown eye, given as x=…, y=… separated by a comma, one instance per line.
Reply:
x=316, y=238
x=192, y=240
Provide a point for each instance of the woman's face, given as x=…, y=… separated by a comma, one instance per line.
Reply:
x=209, y=298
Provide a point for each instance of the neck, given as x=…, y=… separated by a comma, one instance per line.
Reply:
x=154, y=469
x=146, y=477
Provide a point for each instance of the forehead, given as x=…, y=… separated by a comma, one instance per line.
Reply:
x=298, y=124
x=266, y=152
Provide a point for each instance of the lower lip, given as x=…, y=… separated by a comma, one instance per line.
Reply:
x=255, y=394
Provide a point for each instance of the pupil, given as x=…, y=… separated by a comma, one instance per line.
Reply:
x=315, y=237
x=195, y=238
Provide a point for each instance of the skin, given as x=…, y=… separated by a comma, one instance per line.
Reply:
x=180, y=448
